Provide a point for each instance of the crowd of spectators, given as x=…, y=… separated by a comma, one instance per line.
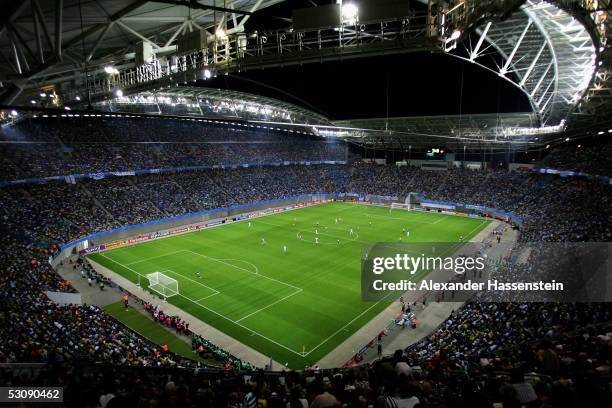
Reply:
x=35, y=329
x=44, y=147
x=461, y=364
x=590, y=159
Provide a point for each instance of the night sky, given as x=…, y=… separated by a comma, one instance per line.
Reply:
x=408, y=84
x=398, y=85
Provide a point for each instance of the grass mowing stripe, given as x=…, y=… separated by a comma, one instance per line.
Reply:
x=270, y=305
x=245, y=270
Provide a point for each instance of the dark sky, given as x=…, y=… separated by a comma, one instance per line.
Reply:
x=409, y=84
x=398, y=85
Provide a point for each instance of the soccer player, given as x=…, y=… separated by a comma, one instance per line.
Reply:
x=407, y=234
x=316, y=240
x=249, y=224
x=316, y=232
x=370, y=223
x=351, y=232
x=198, y=274
x=263, y=241
x=336, y=221
x=285, y=249
x=338, y=242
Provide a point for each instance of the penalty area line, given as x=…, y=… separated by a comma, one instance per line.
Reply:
x=215, y=312
x=154, y=257
x=270, y=305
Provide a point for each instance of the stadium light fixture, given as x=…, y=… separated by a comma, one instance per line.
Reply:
x=601, y=132
x=609, y=130
x=456, y=34
x=207, y=73
x=43, y=95
x=78, y=98
x=567, y=139
x=33, y=102
x=119, y=93
x=13, y=113
x=220, y=33
x=349, y=12
x=111, y=70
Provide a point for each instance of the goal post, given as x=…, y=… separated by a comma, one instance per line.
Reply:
x=411, y=202
x=400, y=206
x=163, y=284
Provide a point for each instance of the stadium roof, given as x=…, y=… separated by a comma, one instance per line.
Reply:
x=198, y=101
x=557, y=52
x=490, y=131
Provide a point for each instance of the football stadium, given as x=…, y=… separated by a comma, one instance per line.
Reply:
x=306, y=203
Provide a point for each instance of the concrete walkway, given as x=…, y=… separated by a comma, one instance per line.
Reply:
x=91, y=295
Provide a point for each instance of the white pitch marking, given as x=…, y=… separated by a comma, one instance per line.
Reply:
x=271, y=304
x=214, y=311
x=154, y=257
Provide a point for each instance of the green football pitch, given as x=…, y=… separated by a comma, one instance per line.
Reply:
x=294, y=307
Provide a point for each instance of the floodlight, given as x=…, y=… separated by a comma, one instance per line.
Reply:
x=13, y=113
x=207, y=73
x=111, y=70
x=220, y=33
x=349, y=12
x=456, y=34
x=119, y=93
x=78, y=98
x=33, y=102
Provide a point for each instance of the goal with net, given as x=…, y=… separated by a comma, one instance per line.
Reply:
x=163, y=284
x=399, y=206
x=410, y=203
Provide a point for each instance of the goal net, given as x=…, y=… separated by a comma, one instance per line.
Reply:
x=399, y=206
x=163, y=284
